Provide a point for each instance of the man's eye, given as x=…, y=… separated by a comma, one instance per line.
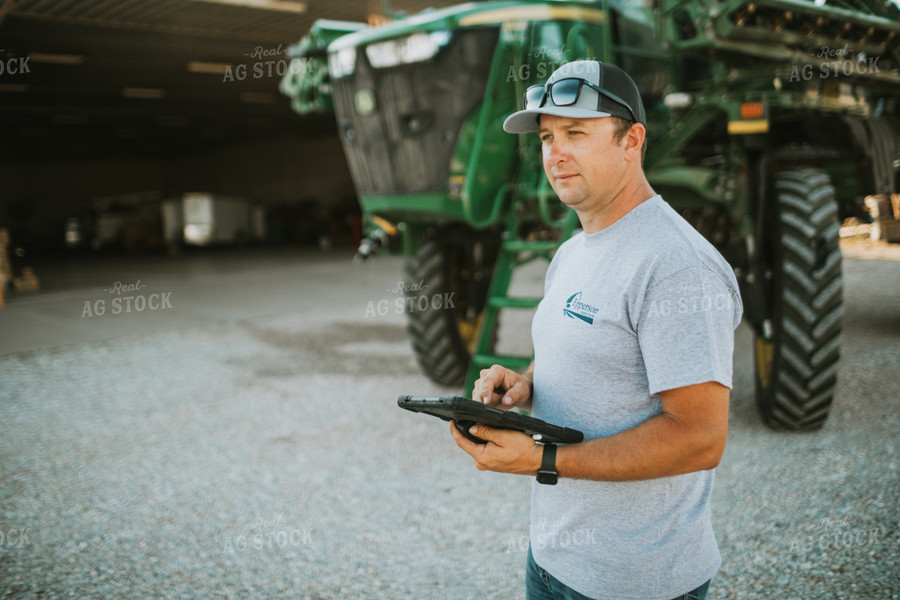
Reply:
x=576, y=132
x=546, y=137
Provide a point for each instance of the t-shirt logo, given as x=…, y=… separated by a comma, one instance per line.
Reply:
x=576, y=309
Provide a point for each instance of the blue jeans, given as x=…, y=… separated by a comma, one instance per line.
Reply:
x=541, y=585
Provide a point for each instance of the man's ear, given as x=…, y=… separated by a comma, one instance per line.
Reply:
x=634, y=141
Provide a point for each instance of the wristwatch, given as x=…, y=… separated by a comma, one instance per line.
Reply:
x=547, y=473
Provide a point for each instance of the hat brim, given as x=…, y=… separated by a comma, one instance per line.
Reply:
x=528, y=121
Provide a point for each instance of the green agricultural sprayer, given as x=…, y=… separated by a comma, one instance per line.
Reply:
x=768, y=123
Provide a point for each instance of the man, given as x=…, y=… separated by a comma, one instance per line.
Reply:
x=633, y=345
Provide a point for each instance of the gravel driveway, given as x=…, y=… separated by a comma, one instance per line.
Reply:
x=245, y=443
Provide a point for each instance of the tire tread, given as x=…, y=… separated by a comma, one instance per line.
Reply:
x=808, y=317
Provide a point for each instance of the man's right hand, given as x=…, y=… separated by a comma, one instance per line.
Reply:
x=499, y=386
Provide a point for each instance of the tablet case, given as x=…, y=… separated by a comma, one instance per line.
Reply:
x=466, y=412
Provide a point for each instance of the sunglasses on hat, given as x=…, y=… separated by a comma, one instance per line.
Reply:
x=565, y=92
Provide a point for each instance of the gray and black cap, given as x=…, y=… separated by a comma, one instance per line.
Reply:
x=590, y=104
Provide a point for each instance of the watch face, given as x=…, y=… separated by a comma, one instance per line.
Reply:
x=547, y=473
x=547, y=478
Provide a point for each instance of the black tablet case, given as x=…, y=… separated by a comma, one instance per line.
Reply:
x=466, y=412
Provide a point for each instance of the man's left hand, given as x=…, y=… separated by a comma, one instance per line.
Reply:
x=505, y=452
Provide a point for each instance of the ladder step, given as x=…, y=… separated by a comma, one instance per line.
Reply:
x=513, y=302
x=480, y=361
x=526, y=246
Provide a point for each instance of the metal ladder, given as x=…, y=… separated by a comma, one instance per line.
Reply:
x=515, y=252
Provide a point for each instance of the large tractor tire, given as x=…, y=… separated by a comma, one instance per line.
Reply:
x=453, y=274
x=796, y=367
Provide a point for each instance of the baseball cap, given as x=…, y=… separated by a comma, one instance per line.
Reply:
x=581, y=89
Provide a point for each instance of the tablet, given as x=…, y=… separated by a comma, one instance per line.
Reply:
x=466, y=412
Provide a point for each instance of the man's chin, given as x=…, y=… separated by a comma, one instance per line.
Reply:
x=573, y=201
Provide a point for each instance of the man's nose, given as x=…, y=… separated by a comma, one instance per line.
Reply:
x=555, y=152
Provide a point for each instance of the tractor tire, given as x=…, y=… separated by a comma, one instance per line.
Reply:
x=796, y=368
x=454, y=277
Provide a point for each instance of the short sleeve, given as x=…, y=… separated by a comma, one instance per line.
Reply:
x=686, y=329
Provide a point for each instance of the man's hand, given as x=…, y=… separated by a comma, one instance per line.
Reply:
x=505, y=452
x=503, y=387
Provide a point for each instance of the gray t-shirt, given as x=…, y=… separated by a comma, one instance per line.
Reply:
x=643, y=306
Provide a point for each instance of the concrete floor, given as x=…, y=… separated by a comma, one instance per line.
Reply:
x=192, y=289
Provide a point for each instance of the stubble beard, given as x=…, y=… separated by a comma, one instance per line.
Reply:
x=573, y=198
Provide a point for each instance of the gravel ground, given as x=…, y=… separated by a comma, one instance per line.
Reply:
x=263, y=456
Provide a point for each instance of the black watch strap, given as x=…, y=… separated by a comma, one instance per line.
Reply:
x=547, y=473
